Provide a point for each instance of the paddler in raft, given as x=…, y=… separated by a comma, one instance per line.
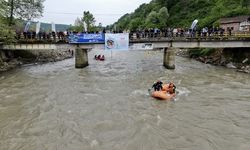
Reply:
x=163, y=91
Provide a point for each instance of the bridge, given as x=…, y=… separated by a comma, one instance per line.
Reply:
x=166, y=43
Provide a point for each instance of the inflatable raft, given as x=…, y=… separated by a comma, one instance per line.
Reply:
x=99, y=57
x=163, y=94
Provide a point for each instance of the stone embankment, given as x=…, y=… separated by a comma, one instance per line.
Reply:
x=12, y=59
x=222, y=57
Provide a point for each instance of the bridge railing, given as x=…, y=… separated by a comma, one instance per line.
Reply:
x=196, y=36
x=50, y=38
x=32, y=37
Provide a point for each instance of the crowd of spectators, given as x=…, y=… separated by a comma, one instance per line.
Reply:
x=134, y=34
x=178, y=32
x=42, y=35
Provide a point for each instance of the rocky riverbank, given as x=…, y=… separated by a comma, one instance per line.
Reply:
x=238, y=59
x=12, y=59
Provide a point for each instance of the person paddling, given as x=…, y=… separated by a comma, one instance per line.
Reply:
x=157, y=85
x=169, y=88
x=163, y=91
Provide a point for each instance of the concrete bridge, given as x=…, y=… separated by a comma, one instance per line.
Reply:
x=169, y=45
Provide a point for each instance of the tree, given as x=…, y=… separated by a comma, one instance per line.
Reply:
x=163, y=17
x=152, y=20
x=100, y=26
x=245, y=3
x=6, y=33
x=123, y=22
x=135, y=24
x=183, y=12
x=78, y=22
x=25, y=9
x=3, y=7
x=78, y=26
x=89, y=19
x=162, y=2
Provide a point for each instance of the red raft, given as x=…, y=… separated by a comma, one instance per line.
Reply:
x=99, y=57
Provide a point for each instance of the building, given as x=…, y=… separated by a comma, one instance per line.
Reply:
x=236, y=24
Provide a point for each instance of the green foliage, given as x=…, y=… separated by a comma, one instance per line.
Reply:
x=196, y=52
x=245, y=3
x=89, y=19
x=207, y=51
x=122, y=23
x=28, y=9
x=181, y=13
x=135, y=24
x=152, y=20
x=7, y=35
x=24, y=9
x=156, y=17
x=21, y=10
x=78, y=26
x=11, y=10
x=163, y=16
x=3, y=7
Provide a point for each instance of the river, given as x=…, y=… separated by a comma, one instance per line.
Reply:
x=106, y=106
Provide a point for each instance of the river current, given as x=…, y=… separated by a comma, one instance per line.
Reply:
x=106, y=106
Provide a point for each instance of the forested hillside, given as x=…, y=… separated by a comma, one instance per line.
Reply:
x=181, y=13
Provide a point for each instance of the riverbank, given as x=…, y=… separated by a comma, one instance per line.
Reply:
x=238, y=59
x=12, y=59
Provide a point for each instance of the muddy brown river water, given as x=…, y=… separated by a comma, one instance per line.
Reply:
x=106, y=106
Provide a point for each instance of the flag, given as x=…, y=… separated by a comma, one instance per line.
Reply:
x=38, y=27
x=85, y=27
x=53, y=27
x=27, y=26
x=194, y=24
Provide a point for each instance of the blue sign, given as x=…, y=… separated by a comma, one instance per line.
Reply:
x=86, y=38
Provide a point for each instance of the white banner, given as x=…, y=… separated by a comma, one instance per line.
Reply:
x=119, y=41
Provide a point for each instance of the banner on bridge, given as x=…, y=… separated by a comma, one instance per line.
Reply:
x=86, y=38
x=119, y=41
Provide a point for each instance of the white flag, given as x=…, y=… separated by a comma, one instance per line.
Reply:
x=38, y=27
x=194, y=24
x=53, y=26
x=85, y=27
x=27, y=26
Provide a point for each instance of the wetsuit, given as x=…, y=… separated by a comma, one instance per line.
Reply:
x=157, y=86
